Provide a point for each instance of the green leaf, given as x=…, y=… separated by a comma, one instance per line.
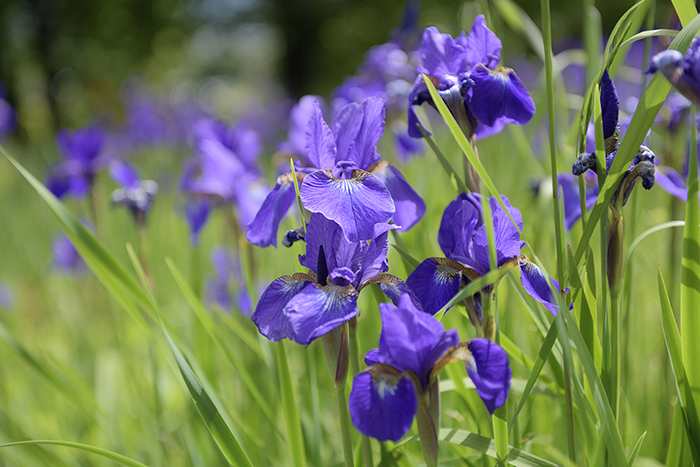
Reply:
x=675, y=354
x=588, y=323
x=635, y=452
x=647, y=34
x=647, y=109
x=541, y=359
x=210, y=328
x=686, y=10
x=487, y=446
x=291, y=414
x=218, y=428
x=123, y=460
x=690, y=290
x=410, y=262
x=451, y=172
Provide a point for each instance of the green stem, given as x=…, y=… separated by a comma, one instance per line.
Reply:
x=615, y=335
x=344, y=424
x=315, y=404
x=295, y=440
x=547, y=37
x=355, y=368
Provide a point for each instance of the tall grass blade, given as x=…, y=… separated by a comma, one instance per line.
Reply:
x=587, y=322
x=487, y=446
x=635, y=451
x=686, y=10
x=675, y=354
x=123, y=460
x=541, y=359
x=218, y=428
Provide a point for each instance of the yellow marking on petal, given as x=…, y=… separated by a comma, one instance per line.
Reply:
x=385, y=383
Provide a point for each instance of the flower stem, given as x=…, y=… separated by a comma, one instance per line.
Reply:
x=355, y=368
x=344, y=424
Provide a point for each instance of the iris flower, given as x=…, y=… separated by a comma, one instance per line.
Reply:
x=482, y=96
x=305, y=306
x=463, y=239
x=413, y=348
x=135, y=194
x=642, y=166
x=224, y=171
x=83, y=159
x=683, y=72
x=8, y=117
x=343, y=177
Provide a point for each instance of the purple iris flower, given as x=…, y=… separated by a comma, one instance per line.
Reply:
x=65, y=256
x=642, y=166
x=482, y=96
x=83, y=155
x=135, y=194
x=413, y=348
x=683, y=72
x=8, y=116
x=225, y=171
x=218, y=289
x=463, y=239
x=343, y=178
x=305, y=306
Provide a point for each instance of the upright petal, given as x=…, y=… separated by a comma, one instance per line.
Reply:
x=356, y=204
x=316, y=310
x=123, y=173
x=435, y=281
x=506, y=235
x=410, y=207
x=347, y=125
x=382, y=403
x=320, y=143
x=499, y=94
x=364, y=149
x=440, y=54
x=269, y=316
x=262, y=230
x=482, y=45
x=321, y=232
x=490, y=371
x=457, y=226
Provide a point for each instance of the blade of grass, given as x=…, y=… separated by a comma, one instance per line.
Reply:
x=541, y=359
x=211, y=415
x=675, y=354
x=123, y=460
x=686, y=10
x=635, y=451
x=690, y=288
x=487, y=446
x=291, y=414
x=410, y=262
x=445, y=163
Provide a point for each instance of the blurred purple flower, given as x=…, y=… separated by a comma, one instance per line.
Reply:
x=413, y=348
x=218, y=290
x=7, y=296
x=305, y=306
x=683, y=72
x=135, y=194
x=482, y=96
x=65, y=256
x=343, y=177
x=83, y=159
x=572, y=201
x=8, y=116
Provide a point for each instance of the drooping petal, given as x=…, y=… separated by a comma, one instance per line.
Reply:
x=320, y=143
x=356, y=204
x=435, y=281
x=482, y=45
x=382, y=403
x=269, y=316
x=672, y=182
x=316, y=310
x=490, y=371
x=196, y=215
x=536, y=285
x=347, y=125
x=262, y=230
x=609, y=104
x=410, y=207
x=498, y=95
x=364, y=149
